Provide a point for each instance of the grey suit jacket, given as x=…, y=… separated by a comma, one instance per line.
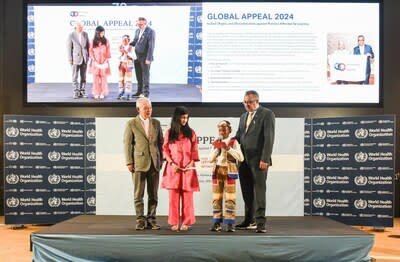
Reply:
x=141, y=150
x=76, y=51
x=144, y=47
x=258, y=141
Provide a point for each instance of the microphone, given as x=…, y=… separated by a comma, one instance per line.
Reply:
x=220, y=138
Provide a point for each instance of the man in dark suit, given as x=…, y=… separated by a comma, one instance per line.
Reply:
x=78, y=56
x=256, y=135
x=144, y=48
x=363, y=49
x=143, y=141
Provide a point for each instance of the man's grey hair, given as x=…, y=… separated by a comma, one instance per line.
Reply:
x=142, y=101
x=252, y=92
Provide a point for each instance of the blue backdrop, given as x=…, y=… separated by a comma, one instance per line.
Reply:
x=349, y=169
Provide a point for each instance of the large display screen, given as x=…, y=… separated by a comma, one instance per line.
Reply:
x=204, y=52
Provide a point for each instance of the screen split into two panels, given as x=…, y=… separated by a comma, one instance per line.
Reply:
x=211, y=52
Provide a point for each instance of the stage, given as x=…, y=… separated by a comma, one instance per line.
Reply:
x=113, y=238
x=62, y=93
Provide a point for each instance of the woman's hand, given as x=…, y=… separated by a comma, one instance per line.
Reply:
x=190, y=164
x=175, y=167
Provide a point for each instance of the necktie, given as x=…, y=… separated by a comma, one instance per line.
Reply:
x=249, y=118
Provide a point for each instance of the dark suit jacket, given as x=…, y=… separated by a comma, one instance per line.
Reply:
x=144, y=47
x=258, y=141
x=367, y=49
x=76, y=51
x=141, y=150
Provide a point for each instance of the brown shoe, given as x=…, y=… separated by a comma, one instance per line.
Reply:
x=153, y=225
x=140, y=225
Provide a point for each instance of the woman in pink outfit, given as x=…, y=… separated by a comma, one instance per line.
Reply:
x=180, y=149
x=99, y=66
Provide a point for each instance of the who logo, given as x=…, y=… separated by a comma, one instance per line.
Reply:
x=319, y=157
x=91, y=156
x=360, y=204
x=91, y=201
x=319, y=134
x=199, y=36
x=54, y=156
x=319, y=202
x=319, y=180
x=360, y=180
x=12, y=179
x=12, y=202
x=12, y=155
x=12, y=131
x=361, y=133
x=91, y=133
x=361, y=157
x=54, y=179
x=91, y=179
x=54, y=133
x=54, y=202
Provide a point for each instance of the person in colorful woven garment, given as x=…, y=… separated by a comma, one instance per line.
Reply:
x=226, y=152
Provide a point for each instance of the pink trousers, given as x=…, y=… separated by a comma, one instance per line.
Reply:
x=100, y=86
x=176, y=196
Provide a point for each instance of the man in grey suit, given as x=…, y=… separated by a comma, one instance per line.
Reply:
x=78, y=56
x=143, y=141
x=256, y=135
x=144, y=47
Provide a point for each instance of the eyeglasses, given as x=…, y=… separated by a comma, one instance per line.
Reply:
x=249, y=102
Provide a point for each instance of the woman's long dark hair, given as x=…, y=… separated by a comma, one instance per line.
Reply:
x=176, y=127
x=97, y=39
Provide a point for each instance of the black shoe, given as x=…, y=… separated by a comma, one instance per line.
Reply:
x=252, y=226
x=230, y=228
x=140, y=225
x=244, y=225
x=152, y=225
x=137, y=94
x=261, y=228
x=82, y=94
x=216, y=227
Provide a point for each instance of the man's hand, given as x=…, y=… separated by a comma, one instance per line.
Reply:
x=148, y=62
x=263, y=165
x=131, y=168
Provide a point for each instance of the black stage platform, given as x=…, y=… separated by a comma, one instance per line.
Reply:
x=113, y=238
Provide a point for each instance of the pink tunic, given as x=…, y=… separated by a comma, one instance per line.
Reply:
x=100, y=54
x=100, y=68
x=182, y=151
